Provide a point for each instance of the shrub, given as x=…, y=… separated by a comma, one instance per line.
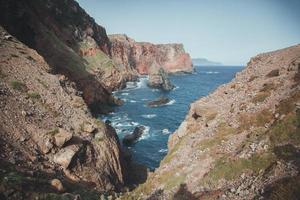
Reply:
x=33, y=95
x=17, y=85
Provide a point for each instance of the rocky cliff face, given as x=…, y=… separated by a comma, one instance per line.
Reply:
x=71, y=42
x=141, y=55
x=240, y=142
x=47, y=132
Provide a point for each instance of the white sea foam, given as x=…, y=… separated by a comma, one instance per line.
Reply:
x=134, y=123
x=125, y=94
x=142, y=83
x=210, y=72
x=165, y=131
x=171, y=102
x=132, y=101
x=163, y=150
x=145, y=133
x=149, y=116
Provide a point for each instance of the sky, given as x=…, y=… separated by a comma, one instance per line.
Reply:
x=228, y=31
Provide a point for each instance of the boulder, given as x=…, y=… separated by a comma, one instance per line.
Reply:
x=133, y=137
x=158, y=78
x=56, y=183
x=158, y=102
x=65, y=155
x=62, y=137
x=87, y=127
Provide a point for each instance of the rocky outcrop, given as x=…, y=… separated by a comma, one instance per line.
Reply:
x=158, y=78
x=71, y=43
x=158, y=102
x=47, y=131
x=133, y=137
x=142, y=55
x=241, y=141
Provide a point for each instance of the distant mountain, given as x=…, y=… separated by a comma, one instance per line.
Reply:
x=204, y=62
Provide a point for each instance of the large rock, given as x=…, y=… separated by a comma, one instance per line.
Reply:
x=62, y=137
x=159, y=79
x=158, y=102
x=65, y=155
x=133, y=137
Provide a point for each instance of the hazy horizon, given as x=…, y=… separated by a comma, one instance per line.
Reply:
x=228, y=32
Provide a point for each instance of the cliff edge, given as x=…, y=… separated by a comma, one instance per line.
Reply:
x=141, y=56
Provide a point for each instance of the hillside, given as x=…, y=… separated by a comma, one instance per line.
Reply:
x=240, y=142
x=47, y=132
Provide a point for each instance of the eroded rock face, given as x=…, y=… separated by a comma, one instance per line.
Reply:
x=141, y=55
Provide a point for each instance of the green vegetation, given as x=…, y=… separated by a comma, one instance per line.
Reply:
x=33, y=95
x=221, y=134
x=248, y=120
x=260, y=97
x=17, y=85
x=231, y=169
x=43, y=83
x=170, y=179
x=286, y=130
x=53, y=131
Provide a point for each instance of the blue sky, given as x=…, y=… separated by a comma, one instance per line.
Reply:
x=229, y=31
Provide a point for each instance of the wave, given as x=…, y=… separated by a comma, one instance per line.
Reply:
x=142, y=83
x=133, y=101
x=149, y=116
x=171, y=102
x=146, y=133
x=163, y=150
x=210, y=72
x=125, y=94
x=165, y=131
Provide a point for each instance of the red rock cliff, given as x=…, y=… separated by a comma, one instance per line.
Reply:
x=142, y=55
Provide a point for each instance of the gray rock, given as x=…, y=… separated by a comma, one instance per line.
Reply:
x=131, y=138
x=65, y=155
x=62, y=137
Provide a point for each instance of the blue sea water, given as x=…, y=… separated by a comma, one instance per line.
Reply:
x=162, y=121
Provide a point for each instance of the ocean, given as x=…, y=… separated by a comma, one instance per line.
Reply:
x=162, y=121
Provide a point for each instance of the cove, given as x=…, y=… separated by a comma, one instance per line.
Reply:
x=162, y=121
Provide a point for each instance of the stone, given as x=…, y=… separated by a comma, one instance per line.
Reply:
x=56, y=183
x=65, y=155
x=87, y=127
x=131, y=138
x=62, y=137
x=158, y=102
x=159, y=79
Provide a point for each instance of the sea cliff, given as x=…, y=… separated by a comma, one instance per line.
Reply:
x=143, y=55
